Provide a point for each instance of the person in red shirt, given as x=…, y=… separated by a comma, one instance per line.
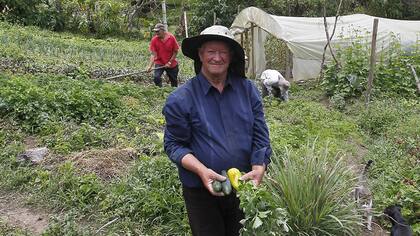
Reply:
x=164, y=48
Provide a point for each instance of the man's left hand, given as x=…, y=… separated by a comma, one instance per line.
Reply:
x=256, y=174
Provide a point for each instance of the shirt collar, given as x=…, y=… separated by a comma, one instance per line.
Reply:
x=206, y=86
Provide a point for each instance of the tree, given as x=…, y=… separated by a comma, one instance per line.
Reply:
x=140, y=6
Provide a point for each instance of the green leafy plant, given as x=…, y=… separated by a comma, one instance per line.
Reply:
x=392, y=74
x=263, y=215
x=314, y=189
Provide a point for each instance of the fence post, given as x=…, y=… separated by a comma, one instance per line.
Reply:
x=253, y=75
x=164, y=15
x=185, y=24
x=372, y=61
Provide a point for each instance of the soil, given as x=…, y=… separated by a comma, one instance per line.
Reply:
x=106, y=164
x=376, y=231
x=30, y=142
x=15, y=213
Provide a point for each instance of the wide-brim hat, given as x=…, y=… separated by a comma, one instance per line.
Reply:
x=158, y=26
x=191, y=45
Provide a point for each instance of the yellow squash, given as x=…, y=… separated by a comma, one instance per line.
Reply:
x=234, y=175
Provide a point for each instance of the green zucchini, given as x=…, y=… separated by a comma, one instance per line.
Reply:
x=217, y=186
x=226, y=185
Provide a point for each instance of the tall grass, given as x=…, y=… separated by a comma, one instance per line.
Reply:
x=314, y=188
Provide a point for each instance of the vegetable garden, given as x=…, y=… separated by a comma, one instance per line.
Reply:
x=106, y=172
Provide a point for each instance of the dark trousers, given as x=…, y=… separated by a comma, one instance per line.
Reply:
x=171, y=72
x=210, y=215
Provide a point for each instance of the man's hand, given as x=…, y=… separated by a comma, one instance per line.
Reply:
x=167, y=65
x=207, y=177
x=148, y=69
x=256, y=174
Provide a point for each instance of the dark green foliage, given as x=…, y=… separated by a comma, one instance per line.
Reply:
x=109, y=17
x=396, y=9
x=226, y=11
x=204, y=11
x=35, y=101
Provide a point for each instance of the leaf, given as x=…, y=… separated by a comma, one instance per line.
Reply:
x=264, y=214
x=257, y=223
x=336, y=219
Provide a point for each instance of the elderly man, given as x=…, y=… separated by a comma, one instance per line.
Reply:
x=214, y=122
x=164, y=48
x=275, y=84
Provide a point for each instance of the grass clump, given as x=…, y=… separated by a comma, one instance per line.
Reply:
x=314, y=192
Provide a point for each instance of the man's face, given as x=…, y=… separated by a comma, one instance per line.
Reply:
x=215, y=57
x=160, y=33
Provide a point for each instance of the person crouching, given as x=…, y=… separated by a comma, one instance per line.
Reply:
x=273, y=83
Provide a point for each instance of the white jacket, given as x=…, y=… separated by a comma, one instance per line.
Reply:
x=273, y=78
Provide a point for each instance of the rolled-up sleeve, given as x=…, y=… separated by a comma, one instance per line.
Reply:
x=177, y=131
x=261, y=149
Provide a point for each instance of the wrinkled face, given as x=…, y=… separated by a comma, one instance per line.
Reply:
x=215, y=57
x=160, y=34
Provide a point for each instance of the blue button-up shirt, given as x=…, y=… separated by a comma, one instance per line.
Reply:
x=222, y=130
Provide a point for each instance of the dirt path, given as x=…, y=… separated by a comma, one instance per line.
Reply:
x=14, y=213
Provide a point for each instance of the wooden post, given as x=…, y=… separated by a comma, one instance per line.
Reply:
x=372, y=61
x=214, y=18
x=288, y=63
x=242, y=39
x=252, y=52
x=185, y=24
x=164, y=15
x=247, y=54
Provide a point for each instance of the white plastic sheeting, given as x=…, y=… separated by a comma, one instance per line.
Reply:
x=306, y=38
